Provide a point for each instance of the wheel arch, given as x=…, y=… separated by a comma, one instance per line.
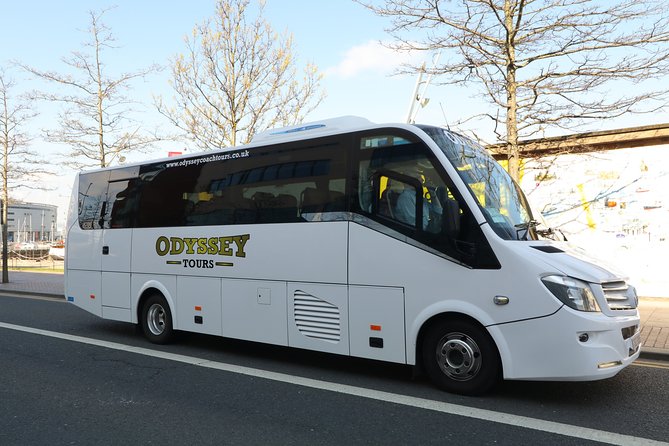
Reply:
x=459, y=354
x=444, y=318
x=456, y=308
x=149, y=288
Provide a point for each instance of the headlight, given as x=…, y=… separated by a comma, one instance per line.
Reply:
x=574, y=293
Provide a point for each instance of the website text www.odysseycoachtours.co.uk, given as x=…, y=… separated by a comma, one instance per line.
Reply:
x=209, y=159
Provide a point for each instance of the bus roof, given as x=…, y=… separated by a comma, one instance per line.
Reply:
x=311, y=129
x=297, y=132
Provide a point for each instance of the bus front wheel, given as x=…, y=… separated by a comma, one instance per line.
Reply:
x=460, y=357
x=156, y=320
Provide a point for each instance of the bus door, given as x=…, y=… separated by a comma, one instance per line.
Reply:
x=388, y=196
x=118, y=211
x=84, y=243
x=407, y=213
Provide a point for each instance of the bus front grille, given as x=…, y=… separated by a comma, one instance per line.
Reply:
x=620, y=296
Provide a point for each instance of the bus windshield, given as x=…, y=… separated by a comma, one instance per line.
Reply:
x=500, y=198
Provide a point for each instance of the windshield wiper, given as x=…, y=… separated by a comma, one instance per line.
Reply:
x=546, y=233
x=553, y=234
x=530, y=224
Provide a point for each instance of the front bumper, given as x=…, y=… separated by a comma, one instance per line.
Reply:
x=568, y=345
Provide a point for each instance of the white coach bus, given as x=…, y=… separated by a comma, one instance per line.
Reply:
x=400, y=243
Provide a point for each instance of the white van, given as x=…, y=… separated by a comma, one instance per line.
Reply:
x=400, y=243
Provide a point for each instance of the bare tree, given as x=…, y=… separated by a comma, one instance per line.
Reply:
x=237, y=77
x=542, y=64
x=95, y=123
x=17, y=162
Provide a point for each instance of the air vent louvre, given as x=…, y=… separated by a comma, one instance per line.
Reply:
x=316, y=318
x=548, y=249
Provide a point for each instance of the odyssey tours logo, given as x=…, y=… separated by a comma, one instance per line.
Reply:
x=229, y=246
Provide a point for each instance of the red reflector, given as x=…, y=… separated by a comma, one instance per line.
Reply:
x=375, y=327
x=198, y=308
x=92, y=296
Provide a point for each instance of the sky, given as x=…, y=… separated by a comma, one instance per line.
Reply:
x=341, y=37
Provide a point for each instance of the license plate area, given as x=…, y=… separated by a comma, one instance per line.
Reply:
x=633, y=343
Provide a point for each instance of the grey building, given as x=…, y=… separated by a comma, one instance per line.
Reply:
x=31, y=222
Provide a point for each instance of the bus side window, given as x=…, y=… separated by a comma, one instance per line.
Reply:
x=274, y=184
x=122, y=199
x=375, y=152
x=163, y=200
x=401, y=185
x=395, y=199
x=387, y=197
x=408, y=186
x=92, y=196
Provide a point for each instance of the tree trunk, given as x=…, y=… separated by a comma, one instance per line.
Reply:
x=511, y=97
x=5, y=192
x=5, y=205
x=5, y=251
x=512, y=129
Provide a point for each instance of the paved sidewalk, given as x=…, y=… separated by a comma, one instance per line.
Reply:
x=654, y=326
x=41, y=284
x=654, y=311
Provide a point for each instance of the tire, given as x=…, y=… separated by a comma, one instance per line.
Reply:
x=460, y=357
x=156, y=320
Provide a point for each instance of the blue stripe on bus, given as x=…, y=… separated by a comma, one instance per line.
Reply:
x=299, y=129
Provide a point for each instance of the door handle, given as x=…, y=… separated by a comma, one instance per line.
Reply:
x=105, y=250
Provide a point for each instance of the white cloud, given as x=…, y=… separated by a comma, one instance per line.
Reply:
x=370, y=57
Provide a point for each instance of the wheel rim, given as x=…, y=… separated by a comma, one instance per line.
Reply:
x=156, y=319
x=458, y=356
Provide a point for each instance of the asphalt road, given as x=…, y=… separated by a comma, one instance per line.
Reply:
x=83, y=380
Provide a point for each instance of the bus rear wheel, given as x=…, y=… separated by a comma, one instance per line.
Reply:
x=156, y=320
x=460, y=357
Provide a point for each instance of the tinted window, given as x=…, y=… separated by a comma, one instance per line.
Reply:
x=108, y=199
x=279, y=184
x=401, y=184
x=122, y=201
x=92, y=198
